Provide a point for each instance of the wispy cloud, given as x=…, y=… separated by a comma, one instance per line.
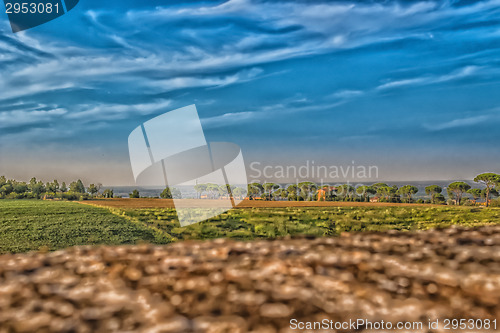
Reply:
x=96, y=113
x=285, y=109
x=456, y=123
x=255, y=33
x=197, y=45
x=110, y=65
x=29, y=117
x=18, y=118
x=344, y=94
x=460, y=73
x=228, y=119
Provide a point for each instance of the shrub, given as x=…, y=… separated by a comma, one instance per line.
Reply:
x=84, y=197
x=468, y=202
x=495, y=203
x=15, y=195
x=439, y=198
x=166, y=194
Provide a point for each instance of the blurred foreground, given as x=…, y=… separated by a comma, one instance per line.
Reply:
x=259, y=286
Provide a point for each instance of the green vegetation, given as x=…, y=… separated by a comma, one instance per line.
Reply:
x=407, y=192
x=34, y=224
x=456, y=190
x=171, y=193
x=380, y=192
x=134, y=194
x=253, y=223
x=304, y=191
x=489, y=180
x=435, y=192
x=53, y=224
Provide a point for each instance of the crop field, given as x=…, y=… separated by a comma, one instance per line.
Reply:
x=277, y=220
x=34, y=224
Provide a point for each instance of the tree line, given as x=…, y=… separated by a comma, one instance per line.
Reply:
x=458, y=192
x=36, y=189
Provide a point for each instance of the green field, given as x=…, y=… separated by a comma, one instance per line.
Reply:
x=33, y=224
x=252, y=223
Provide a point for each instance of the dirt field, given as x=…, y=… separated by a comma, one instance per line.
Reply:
x=165, y=203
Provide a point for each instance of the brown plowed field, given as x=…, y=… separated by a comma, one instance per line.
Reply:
x=166, y=203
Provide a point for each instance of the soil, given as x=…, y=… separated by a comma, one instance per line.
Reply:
x=167, y=203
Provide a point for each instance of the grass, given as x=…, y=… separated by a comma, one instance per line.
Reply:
x=254, y=223
x=32, y=224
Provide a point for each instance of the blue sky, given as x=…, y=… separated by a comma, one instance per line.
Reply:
x=409, y=86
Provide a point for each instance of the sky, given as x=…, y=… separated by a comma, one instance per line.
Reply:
x=411, y=87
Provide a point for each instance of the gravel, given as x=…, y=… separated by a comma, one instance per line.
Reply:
x=258, y=286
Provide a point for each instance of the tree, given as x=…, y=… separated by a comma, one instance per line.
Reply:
x=345, y=191
x=433, y=191
x=293, y=192
x=255, y=190
x=108, y=194
x=92, y=190
x=53, y=187
x=213, y=190
x=490, y=180
x=475, y=193
x=439, y=198
x=407, y=191
x=37, y=188
x=457, y=189
x=200, y=188
x=166, y=194
x=376, y=186
x=223, y=190
x=365, y=191
x=239, y=192
x=281, y=194
x=63, y=188
x=6, y=189
x=383, y=192
x=269, y=189
x=134, y=194
x=388, y=192
x=307, y=190
x=20, y=188
x=77, y=187
x=493, y=192
x=33, y=183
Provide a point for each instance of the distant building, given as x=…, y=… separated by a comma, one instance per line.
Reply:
x=324, y=191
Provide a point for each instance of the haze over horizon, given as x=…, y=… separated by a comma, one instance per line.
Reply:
x=407, y=86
